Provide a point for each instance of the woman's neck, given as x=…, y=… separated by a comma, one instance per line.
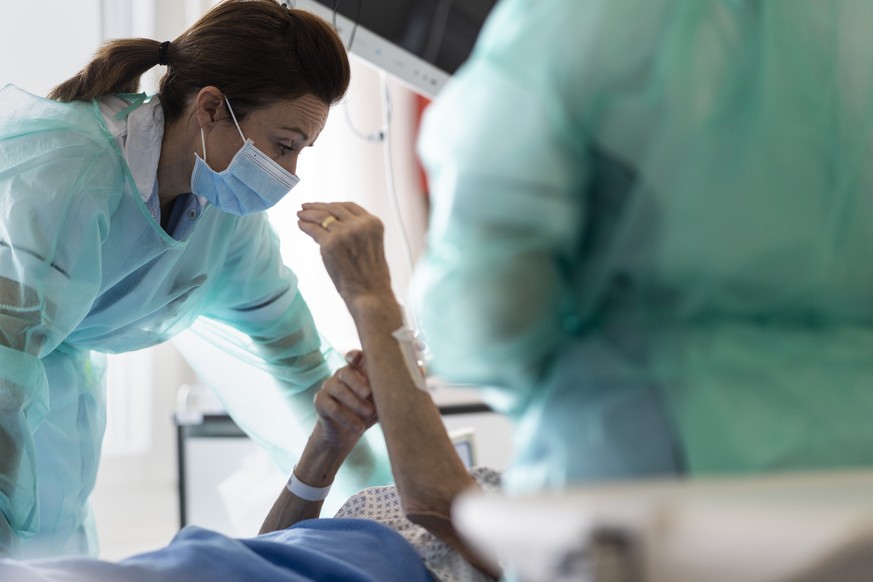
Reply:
x=175, y=165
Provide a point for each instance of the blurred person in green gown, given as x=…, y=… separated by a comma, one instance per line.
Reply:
x=650, y=235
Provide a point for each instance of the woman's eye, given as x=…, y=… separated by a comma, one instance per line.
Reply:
x=284, y=148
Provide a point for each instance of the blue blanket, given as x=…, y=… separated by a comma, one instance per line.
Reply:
x=341, y=550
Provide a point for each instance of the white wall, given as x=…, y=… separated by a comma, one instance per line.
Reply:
x=39, y=48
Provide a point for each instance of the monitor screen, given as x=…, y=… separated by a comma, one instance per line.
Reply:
x=420, y=42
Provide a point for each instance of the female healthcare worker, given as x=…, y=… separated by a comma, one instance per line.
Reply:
x=125, y=219
x=651, y=235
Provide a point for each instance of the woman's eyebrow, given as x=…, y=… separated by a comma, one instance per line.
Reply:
x=296, y=129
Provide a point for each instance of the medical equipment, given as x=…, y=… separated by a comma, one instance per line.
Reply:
x=786, y=528
x=413, y=350
x=421, y=43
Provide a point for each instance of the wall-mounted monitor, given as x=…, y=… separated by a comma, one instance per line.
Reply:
x=420, y=42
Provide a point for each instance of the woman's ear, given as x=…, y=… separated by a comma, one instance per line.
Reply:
x=206, y=105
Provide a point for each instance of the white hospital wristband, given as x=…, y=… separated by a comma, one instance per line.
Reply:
x=304, y=491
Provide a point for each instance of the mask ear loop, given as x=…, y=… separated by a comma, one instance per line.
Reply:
x=203, y=141
x=234, y=120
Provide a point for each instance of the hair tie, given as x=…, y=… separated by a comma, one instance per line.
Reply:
x=162, y=52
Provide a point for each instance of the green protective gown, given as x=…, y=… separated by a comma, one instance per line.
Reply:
x=651, y=232
x=85, y=268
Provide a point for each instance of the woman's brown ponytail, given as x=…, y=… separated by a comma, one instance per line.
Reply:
x=116, y=68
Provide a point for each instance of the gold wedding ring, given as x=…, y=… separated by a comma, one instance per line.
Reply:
x=328, y=221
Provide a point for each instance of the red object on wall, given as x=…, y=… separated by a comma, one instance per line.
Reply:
x=421, y=104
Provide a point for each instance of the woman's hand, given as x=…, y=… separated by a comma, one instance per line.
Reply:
x=351, y=241
x=345, y=406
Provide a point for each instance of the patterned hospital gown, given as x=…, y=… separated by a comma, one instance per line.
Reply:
x=382, y=504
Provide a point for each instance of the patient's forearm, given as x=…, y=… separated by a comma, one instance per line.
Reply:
x=316, y=467
x=427, y=470
x=424, y=461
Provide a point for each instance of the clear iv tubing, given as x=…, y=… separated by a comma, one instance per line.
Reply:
x=414, y=336
x=389, y=166
x=416, y=343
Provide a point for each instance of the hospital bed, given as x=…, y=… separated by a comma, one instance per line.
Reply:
x=785, y=528
x=216, y=458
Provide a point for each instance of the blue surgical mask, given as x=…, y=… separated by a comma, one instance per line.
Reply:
x=251, y=183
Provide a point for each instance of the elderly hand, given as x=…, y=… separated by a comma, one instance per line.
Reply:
x=351, y=241
x=345, y=406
